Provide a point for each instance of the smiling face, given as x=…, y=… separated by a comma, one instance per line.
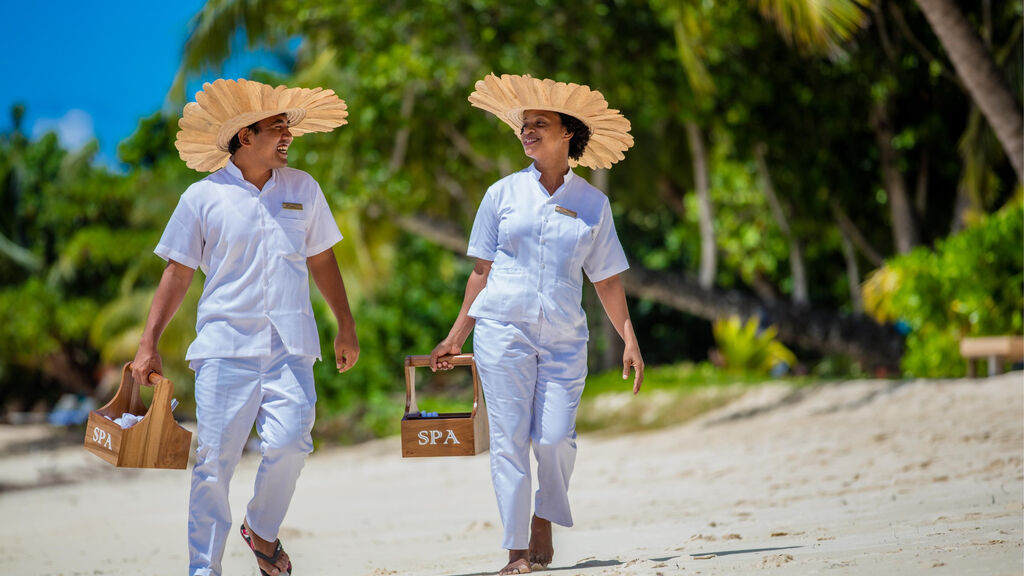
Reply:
x=269, y=147
x=543, y=136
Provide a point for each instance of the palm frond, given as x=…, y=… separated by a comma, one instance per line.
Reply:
x=212, y=31
x=818, y=26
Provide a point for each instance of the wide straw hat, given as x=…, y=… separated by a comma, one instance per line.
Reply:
x=507, y=97
x=224, y=107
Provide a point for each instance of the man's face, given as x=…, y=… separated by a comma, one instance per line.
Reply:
x=269, y=147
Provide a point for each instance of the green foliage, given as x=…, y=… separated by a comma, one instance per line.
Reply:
x=77, y=272
x=971, y=284
x=746, y=348
x=668, y=377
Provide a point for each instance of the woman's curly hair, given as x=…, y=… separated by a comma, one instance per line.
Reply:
x=580, y=135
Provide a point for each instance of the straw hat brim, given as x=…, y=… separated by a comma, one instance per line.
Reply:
x=224, y=107
x=509, y=96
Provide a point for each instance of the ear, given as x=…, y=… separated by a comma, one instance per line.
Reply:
x=566, y=135
x=243, y=136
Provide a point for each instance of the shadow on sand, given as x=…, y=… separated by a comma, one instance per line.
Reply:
x=608, y=563
x=587, y=564
x=750, y=551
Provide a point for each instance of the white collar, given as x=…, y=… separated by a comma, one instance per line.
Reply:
x=236, y=173
x=536, y=174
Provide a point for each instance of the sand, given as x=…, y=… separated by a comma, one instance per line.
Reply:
x=863, y=477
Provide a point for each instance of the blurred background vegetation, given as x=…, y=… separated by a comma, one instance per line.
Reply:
x=833, y=185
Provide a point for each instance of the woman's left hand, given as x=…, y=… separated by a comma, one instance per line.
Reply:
x=631, y=358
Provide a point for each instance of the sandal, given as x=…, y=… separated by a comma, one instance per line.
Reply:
x=278, y=550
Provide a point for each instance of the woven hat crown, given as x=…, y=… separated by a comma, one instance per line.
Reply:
x=224, y=107
x=509, y=96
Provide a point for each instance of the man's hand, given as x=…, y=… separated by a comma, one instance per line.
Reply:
x=346, y=350
x=146, y=360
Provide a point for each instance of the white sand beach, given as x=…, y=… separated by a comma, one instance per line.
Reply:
x=864, y=477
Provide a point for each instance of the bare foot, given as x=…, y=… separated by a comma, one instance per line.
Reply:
x=541, y=549
x=283, y=564
x=517, y=563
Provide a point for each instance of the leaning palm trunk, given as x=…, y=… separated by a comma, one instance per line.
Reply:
x=904, y=227
x=612, y=344
x=796, y=257
x=976, y=68
x=708, y=259
x=812, y=328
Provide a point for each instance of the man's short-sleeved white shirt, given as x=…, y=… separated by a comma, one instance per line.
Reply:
x=252, y=245
x=540, y=245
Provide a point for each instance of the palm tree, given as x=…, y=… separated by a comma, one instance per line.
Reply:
x=811, y=26
x=980, y=76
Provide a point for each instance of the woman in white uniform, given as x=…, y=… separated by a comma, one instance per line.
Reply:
x=535, y=233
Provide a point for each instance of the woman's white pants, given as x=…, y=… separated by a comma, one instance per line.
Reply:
x=277, y=393
x=533, y=376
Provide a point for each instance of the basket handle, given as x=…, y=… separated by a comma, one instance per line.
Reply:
x=420, y=361
x=128, y=399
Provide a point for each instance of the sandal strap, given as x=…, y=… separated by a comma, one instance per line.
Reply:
x=277, y=550
x=271, y=559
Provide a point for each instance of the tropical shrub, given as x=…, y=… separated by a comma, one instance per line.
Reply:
x=746, y=348
x=971, y=284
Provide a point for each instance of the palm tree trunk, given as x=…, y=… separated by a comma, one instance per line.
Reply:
x=850, y=231
x=804, y=326
x=975, y=66
x=613, y=346
x=904, y=229
x=852, y=272
x=796, y=257
x=402, y=136
x=701, y=178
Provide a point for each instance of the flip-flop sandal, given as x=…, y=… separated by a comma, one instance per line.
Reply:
x=278, y=550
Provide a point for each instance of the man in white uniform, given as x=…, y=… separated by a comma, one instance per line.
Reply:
x=257, y=229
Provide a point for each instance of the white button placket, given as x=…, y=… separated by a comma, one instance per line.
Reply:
x=264, y=281
x=541, y=256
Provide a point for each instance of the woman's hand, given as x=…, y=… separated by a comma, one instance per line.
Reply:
x=613, y=298
x=445, y=348
x=631, y=358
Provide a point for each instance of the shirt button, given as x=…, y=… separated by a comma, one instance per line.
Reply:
x=542, y=266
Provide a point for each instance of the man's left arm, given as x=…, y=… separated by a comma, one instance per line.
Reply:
x=324, y=268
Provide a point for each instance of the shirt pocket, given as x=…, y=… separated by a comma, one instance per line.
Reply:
x=572, y=239
x=293, y=227
x=505, y=295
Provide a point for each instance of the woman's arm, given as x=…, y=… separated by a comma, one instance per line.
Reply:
x=613, y=298
x=463, y=323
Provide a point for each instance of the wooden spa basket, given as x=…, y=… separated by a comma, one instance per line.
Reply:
x=447, y=434
x=157, y=441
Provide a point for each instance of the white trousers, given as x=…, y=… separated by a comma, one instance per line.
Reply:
x=277, y=393
x=533, y=376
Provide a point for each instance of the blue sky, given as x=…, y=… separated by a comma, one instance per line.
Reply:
x=93, y=69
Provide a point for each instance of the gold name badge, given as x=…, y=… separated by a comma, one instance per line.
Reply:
x=291, y=206
x=565, y=211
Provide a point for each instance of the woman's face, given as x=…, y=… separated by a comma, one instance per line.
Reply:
x=543, y=136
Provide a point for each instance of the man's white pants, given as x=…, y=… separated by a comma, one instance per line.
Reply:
x=533, y=376
x=277, y=393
